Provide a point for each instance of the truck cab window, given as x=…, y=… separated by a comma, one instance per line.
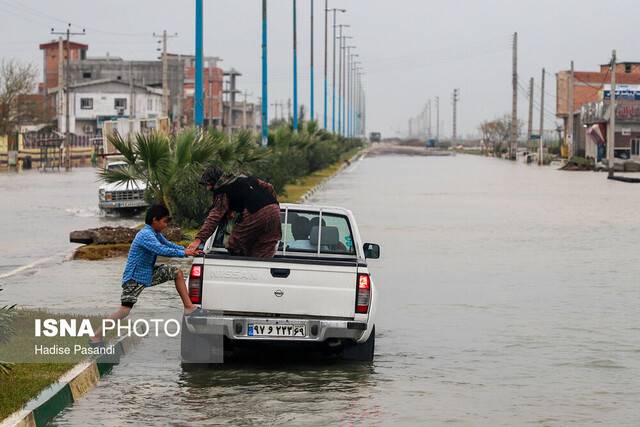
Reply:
x=304, y=232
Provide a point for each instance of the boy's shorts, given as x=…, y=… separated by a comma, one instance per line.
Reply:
x=131, y=289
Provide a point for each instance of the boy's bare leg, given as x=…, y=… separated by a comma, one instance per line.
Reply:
x=181, y=287
x=122, y=312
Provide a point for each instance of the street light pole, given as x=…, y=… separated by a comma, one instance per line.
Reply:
x=347, y=52
x=326, y=68
x=352, y=65
x=295, y=66
x=265, y=94
x=341, y=59
x=198, y=104
x=353, y=97
x=312, y=99
x=333, y=113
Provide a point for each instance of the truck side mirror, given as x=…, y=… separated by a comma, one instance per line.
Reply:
x=371, y=251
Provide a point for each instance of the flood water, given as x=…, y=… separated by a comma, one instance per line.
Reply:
x=509, y=295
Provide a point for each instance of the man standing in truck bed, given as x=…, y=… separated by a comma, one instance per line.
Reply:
x=258, y=233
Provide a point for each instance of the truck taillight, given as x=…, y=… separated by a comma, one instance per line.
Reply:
x=195, y=283
x=363, y=293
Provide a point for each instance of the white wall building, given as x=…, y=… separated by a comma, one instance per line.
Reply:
x=94, y=102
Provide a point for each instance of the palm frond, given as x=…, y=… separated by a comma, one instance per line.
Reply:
x=124, y=146
x=154, y=153
x=184, y=143
x=121, y=175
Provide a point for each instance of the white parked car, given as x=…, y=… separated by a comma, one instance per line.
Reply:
x=316, y=291
x=121, y=197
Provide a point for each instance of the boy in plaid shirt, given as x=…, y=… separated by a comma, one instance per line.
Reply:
x=141, y=271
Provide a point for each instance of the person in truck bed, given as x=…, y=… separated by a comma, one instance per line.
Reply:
x=258, y=231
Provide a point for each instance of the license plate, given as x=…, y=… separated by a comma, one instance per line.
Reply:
x=129, y=204
x=266, y=330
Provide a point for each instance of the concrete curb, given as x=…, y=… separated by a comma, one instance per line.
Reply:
x=358, y=156
x=69, y=388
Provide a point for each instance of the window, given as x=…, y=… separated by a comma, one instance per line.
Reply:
x=627, y=68
x=120, y=104
x=635, y=147
x=86, y=75
x=305, y=231
x=149, y=104
x=302, y=231
x=86, y=103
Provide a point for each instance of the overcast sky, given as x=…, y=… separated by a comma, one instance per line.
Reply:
x=412, y=50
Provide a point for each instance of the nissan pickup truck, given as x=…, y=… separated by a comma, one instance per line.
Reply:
x=317, y=291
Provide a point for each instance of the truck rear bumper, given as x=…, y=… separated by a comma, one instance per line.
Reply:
x=238, y=328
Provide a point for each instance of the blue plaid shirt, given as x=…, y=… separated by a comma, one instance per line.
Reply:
x=146, y=247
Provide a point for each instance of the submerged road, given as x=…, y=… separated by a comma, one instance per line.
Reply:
x=509, y=296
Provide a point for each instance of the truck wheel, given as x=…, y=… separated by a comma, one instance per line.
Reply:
x=360, y=352
x=194, y=348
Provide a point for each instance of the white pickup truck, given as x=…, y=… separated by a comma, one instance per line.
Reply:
x=118, y=197
x=317, y=291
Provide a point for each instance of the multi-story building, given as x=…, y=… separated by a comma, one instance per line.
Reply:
x=94, y=102
x=149, y=75
x=589, y=91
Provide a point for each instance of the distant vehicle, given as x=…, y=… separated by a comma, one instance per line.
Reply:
x=375, y=137
x=431, y=143
x=128, y=197
x=317, y=290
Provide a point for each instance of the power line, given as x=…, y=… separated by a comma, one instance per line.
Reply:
x=41, y=15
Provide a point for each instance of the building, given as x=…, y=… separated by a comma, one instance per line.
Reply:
x=54, y=55
x=594, y=118
x=213, y=83
x=588, y=90
x=94, y=102
x=228, y=114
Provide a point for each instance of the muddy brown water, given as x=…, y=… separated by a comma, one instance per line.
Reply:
x=509, y=295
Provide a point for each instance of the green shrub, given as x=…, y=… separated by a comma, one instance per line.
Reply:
x=172, y=165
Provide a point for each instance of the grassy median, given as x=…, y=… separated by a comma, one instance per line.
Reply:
x=26, y=380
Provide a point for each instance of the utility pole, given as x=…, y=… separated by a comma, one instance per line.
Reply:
x=540, y=141
x=437, y=118
x=288, y=109
x=569, y=133
x=67, y=84
x=456, y=98
x=429, y=119
x=60, y=107
x=513, y=146
x=530, y=122
x=132, y=102
x=611, y=131
x=265, y=96
x=312, y=101
x=165, y=70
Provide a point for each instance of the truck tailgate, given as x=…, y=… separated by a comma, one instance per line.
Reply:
x=284, y=287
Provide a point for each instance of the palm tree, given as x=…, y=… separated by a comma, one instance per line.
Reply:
x=161, y=160
x=6, y=330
